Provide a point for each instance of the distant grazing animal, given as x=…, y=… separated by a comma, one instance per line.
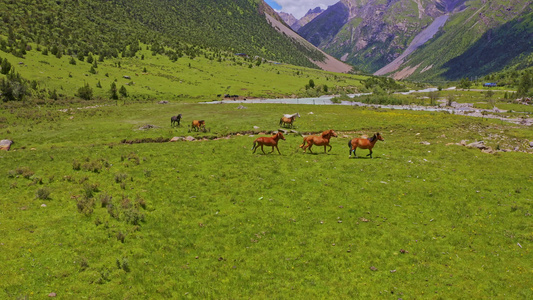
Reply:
x=288, y=119
x=268, y=141
x=322, y=140
x=198, y=124
x=175, y=119
x=364, y=144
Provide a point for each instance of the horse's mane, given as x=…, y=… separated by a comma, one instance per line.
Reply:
x=371, y=139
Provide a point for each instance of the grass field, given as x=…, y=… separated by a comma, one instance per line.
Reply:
x=84, y=215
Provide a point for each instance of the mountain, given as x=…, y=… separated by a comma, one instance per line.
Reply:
x=115, y=27
x=428, y=39
x=296, y=24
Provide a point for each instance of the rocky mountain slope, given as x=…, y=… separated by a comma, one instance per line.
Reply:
x=371, y=34
x=296, y=24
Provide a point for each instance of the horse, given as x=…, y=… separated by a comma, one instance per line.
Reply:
x=364, y=144
x=322, y=140
x=288, y=116
x=268, y=141
x=288, y=119
x=198, y=124
x=175, y=119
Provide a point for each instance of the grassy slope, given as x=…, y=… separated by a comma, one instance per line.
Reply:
x=223, y=223
x=185, y=79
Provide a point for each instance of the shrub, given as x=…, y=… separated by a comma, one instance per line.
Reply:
x=42, y=193
x=105, y=199
x=85, y=92
x=85, y=205
x=25, y=172
x=89, y=189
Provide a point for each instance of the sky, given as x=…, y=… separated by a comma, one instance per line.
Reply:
x=298, y=8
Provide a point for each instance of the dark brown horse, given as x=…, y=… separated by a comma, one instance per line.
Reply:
x=175, y=119
x=198, y=124
x=322, y=140
x=268, y=141
x=364, y=144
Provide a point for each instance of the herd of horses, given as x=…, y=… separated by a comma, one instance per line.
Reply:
x=196, y=125
x=308, y=141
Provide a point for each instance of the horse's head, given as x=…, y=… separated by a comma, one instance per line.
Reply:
x=329, y=133
x=379, y=137
x=179, y=116
x=298, y=115
x=279, y=135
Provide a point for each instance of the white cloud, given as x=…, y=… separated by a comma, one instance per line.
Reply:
x=299, y=8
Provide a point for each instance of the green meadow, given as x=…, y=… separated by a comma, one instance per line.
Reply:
x=149, y=77
x=96, y=204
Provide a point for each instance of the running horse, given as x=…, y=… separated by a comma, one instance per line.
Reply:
x=322, y=140
x=268, y=141
x=364, y=144
x=175, y=119
x=288, y=119
x=198, y=124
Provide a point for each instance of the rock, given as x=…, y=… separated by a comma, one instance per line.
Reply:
x=531, y=144
x=163, y=102
x=373, y=268
x=241, y=107
x=176, y=138
x=425, y=143
x=190, y=138
x=480, y=145
x=256, y=127
x=52, y=294
x=463, y=143
x=488, y=150
x=43, y=205
x=5, y=144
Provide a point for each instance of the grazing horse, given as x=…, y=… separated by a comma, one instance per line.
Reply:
x=268, y=141
x=322, y=140
x=175, y=119
x=364, y=144
x=198, y=124
x=288, y=119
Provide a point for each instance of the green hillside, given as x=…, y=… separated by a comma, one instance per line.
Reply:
x=201, y=75
x=110, y=28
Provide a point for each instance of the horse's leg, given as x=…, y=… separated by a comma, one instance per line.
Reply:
x=370, y=154
x=276, y=148
x=262, y=149
x=329, y=148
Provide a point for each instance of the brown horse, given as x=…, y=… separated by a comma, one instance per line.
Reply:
x=288, y=119
x=198, y=124
x=364, y=144
x=322, y=140
x=268, y=141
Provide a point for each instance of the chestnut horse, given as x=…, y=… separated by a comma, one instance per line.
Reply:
x=198, y=124
x=364, y=144
x=268, y=141
x=322, y=140
x=288, y=119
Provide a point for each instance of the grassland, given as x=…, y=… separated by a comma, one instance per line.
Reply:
x=84, y=215
x=156, y=77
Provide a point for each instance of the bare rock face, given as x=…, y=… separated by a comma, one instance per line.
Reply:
x=5, y=144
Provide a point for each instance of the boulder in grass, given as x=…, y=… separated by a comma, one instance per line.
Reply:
x=480, y=145
x=5, y=144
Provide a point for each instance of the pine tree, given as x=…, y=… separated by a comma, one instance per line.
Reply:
x=113, y=91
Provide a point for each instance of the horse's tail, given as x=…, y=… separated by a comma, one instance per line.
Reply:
x=280, y=121
x=303, y=143
x=254, y=145
x=350, y=144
